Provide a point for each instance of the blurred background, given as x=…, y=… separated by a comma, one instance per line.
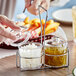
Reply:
x=20, y=6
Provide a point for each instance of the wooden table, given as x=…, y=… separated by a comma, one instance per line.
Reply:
x=8, y=66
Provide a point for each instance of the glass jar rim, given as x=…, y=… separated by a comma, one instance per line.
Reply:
x=51, y=45
x=32, y=43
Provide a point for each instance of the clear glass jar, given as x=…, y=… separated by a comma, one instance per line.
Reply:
x=29, y=53
x=30, y=56
x=56, y=53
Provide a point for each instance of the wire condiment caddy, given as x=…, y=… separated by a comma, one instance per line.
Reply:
x=49, y=54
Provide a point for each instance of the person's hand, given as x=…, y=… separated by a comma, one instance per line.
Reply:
x=33, y=8
x=3, y=32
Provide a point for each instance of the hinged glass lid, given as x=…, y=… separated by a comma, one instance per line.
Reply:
x=55, y=42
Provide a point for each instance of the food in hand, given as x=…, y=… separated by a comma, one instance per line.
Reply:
x=21, y=16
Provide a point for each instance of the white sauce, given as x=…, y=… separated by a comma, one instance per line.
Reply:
x=21, y=16
x=30, y=50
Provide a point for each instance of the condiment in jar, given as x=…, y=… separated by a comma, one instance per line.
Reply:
x=30, y=56
x=56, y=53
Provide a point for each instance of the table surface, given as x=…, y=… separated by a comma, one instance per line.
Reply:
x=8, y=66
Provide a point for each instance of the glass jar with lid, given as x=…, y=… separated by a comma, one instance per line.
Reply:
x=56, y=53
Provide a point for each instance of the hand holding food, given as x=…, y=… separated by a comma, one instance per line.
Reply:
x=4, y=21
x=33, y=8
x=34, y=26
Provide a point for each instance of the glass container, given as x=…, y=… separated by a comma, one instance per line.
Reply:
x=30, y=56
x=56, y=53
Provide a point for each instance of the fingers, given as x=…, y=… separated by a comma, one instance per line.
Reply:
x=6, y=34
x=33, y=9
x=5, y=21
x=44, y=4
x=27, y=3
x=36, y=3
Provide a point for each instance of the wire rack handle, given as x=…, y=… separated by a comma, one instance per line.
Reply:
x=41, y=22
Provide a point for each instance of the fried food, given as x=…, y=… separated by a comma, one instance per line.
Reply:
x=26, y=21
x=52, y=27
x=35, y=24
